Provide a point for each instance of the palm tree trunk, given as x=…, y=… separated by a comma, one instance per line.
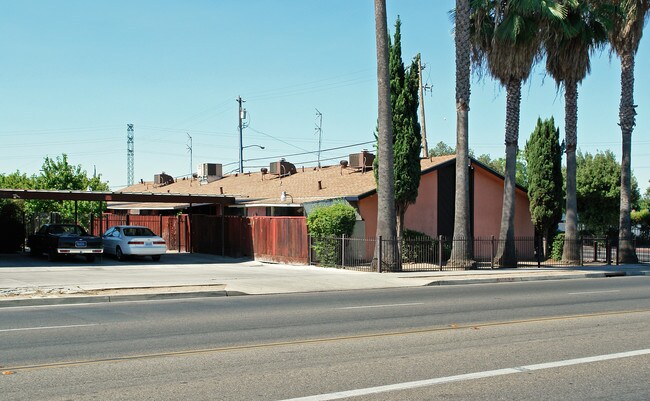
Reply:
x=506, y=255
x=571, y=248
x=627, y=253
x=462, y=246
x=386, y=221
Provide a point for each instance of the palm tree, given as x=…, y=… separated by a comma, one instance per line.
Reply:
x=568, y=45
x=462, y=247
x=624, y=38
x=386, y=219
x=506, y=39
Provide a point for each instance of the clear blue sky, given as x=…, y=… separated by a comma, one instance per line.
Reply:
x=75, y=72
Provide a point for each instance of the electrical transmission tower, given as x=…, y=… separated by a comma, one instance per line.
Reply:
x=319, y=131
x=129, y=154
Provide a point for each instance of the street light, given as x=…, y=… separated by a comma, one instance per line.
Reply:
x=241, y=152
x=283, y=196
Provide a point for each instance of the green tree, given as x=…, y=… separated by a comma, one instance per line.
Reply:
x=568, y=45
x=407, y=139
x=544, y=160
x=386, y=220
x=58, y=174
x=598, y=192
x=506, y=39
x=641, y=219
x=441, y=149
x=624, y=39
x=499, y=165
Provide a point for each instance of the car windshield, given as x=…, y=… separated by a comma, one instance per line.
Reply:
x=138, y=232
x=71, y=229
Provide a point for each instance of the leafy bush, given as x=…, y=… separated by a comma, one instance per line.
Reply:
x=417, y=247
x=325, y=225
x=557, y=246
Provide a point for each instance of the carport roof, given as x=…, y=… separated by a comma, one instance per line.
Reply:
x=141, y=197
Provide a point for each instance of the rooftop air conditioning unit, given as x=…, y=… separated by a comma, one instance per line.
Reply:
x=162, y=179
x=362, y=160
x=209, y=172
x=282, y=168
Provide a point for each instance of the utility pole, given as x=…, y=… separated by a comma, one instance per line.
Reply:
x=242, y=116
x=189, y=148
x=423, y=125
x=129, y=154
x=319, y=131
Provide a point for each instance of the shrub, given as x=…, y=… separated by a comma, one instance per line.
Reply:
x=557, y=247
x=325, y=225
x=417, y=246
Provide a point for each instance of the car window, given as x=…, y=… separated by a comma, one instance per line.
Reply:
x=109, y=232
x=138, y=232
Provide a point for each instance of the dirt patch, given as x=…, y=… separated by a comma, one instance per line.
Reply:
x=23, y=293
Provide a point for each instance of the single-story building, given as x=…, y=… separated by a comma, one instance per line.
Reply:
x=284, y=190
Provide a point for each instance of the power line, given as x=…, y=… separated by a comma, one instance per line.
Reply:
x=309, y=152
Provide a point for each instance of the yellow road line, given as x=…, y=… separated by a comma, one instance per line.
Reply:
x=319, y=340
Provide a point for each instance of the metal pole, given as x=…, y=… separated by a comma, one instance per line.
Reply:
x=379, y=261
x=492, y=253
x=241, y=143
x=343, y=251
x=440, y=251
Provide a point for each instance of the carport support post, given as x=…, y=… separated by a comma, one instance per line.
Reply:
x=178, y=233
x=101, y=219
x=161, y=226
x=76, y=220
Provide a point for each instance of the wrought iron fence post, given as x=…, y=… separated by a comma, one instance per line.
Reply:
x=343, y=251
x=379, y=257
x=608, y=251
x=538, y=250
x=492, y=252
x=581, y=251
x=440, y=251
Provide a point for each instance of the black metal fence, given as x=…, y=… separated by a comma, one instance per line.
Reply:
x=433, y=254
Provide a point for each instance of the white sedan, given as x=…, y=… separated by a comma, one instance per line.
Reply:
x=123, y=241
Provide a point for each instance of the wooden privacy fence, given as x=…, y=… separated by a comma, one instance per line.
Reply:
x=175, y=230
x=280, y=239
x=269, y=239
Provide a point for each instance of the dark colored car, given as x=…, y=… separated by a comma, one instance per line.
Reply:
x=64, y=239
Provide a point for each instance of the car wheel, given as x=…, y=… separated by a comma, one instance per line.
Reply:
x=118, y=254
x=155, y=258
x=52, y=255
x=90, y=258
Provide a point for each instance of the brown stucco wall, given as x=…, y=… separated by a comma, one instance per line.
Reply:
x=488, y=199
x=422, y=216
x=488, y=196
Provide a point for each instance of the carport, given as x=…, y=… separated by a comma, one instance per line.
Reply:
x=57, y=195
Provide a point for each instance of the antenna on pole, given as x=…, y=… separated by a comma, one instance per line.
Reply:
x=189, y=148
x=319, y=131
x=129, y=154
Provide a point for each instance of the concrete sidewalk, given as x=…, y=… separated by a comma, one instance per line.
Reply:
x=34, y=281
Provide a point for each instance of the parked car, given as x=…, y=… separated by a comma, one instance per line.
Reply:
x=123, y=241
x=64, y=239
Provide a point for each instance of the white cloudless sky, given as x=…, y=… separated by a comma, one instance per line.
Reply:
x=74, y=73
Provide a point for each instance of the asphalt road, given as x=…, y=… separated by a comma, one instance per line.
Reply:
x=460, y=342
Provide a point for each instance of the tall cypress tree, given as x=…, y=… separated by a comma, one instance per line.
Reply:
x=407, y=138
x=544, y=159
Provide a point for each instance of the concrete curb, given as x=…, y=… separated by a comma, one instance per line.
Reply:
x=93, y=299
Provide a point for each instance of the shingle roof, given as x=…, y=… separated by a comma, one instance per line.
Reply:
x=255, y=188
